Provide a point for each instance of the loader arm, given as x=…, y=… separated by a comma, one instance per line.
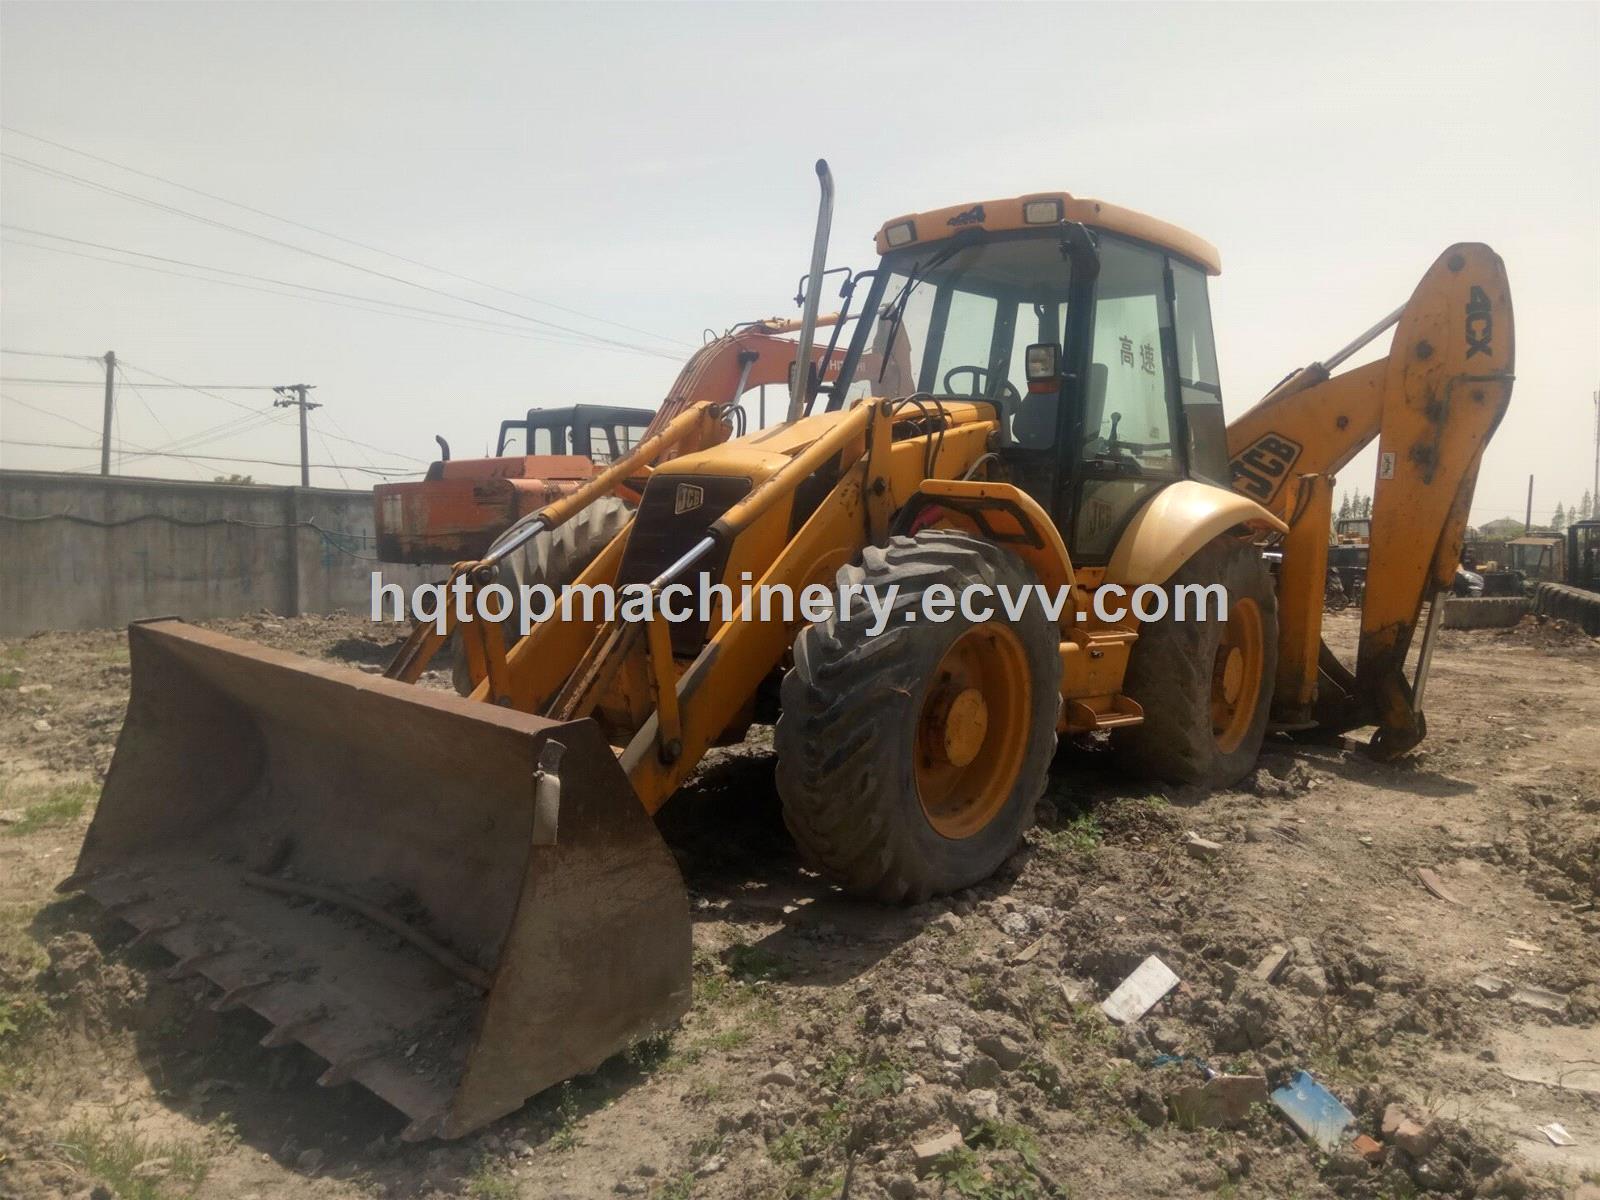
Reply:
x=1432, y=403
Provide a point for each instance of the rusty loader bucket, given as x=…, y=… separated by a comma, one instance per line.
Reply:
x=456, y=905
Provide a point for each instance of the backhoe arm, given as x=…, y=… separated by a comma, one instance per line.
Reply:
x=1433, y=404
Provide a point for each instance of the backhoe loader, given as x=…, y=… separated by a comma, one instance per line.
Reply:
x=458, y=901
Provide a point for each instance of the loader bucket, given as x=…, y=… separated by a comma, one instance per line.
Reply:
x=456, y=905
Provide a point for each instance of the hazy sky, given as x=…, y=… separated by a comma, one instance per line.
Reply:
x=652, y=165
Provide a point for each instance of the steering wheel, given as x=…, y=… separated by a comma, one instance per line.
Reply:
x=979, y=376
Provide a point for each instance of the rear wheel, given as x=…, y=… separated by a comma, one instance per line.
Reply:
x=554, y=558
x=910, y=762
x=1205, y=685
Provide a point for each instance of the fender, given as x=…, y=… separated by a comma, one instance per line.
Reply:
x=1183, y=517
x=1001, y=512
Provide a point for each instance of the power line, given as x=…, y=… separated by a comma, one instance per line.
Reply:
x=143, y=451
x=450, y=321
x=263, y=462
x=95, y=383
x=123, y=375
x=49, y=413
x=45, y=354
x=267, y=413
x=323, y=439
x=337, y=237
x=57, y=173
x=61, y=237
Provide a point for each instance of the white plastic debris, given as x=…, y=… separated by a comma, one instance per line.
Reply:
x=1558, y=1135
x=1138, y=993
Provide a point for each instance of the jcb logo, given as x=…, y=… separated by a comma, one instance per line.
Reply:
x=1480, y=322
x=1260, y=468
x=688, y=497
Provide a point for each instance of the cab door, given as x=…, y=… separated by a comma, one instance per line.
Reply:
x=1126, y=446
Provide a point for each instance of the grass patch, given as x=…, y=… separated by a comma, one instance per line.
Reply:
x=134, y=1167
x=566, y=1135
x=1081, y=834
x=965, y=1174
x=752, y=964
x=707, y=1091
x=1011, y=1171
x=20, y=1016
x=1338, y=1049
x=729, y=1039
x=649, y=1052
x=57, y=806
x=9, y=679
x=491, y=1181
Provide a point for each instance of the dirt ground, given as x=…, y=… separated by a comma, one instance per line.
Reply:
x=831, y=1039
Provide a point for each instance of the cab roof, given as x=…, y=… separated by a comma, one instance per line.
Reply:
x=1001, y=215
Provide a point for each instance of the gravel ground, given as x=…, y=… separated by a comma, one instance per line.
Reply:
x=953, y=1049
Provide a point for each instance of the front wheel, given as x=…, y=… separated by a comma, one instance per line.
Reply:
x=1205, y=685
x=910, y=762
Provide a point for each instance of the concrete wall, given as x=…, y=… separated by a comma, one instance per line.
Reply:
x=86, y=552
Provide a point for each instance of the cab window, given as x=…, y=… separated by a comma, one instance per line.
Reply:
x=1127, y=413
x=1199, y=386
x=954, y=321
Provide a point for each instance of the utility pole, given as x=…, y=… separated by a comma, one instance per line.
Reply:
x=1527, y=521
x=1595, y=491
x=105, y=428
x=293, y=395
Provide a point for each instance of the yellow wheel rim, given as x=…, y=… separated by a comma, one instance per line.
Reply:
x=1236, y=675
x=972, y=732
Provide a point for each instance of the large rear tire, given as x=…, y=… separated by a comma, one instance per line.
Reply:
x=555, y=558
x=910, y=762
x=1205, y=685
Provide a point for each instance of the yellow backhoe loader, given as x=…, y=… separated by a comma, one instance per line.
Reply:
x=458, y=901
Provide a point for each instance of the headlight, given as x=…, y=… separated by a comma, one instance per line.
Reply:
x=1042, y=212
x=901, y=234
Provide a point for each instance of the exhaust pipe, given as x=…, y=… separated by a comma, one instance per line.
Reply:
x=800, y=389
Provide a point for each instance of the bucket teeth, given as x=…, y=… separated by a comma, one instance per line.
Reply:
x=191, y=964
x=423, y=1128
x=345, y=1069
x=243, y=993
x=295, y=1028
x=151, y=932
x=118, y=907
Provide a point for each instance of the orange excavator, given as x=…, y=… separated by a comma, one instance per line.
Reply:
x=462, y=504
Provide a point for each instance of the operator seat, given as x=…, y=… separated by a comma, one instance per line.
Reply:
x=1035, y=424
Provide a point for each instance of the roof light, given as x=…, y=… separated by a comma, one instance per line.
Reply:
x=902, y=233
x=1041, y=212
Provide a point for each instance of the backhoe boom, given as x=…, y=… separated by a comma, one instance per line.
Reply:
x=1432, y=404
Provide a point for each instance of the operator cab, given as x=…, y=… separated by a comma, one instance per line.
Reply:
x=593, y=431
x=1088, y=328
x=1583, y=555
